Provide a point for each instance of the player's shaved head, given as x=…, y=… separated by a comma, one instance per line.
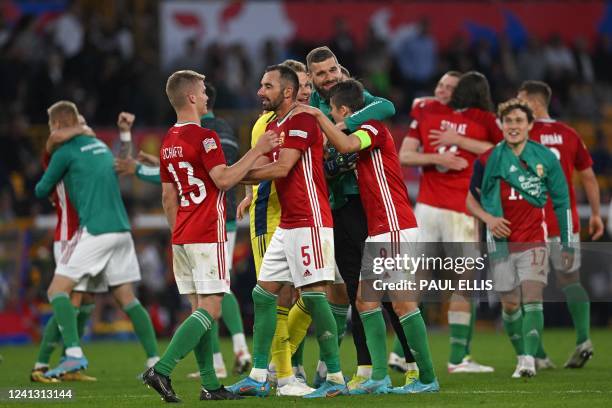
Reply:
x=537, y=89
x=180, y=84
x=319, y=54
x=64, y=113
x=348, y=93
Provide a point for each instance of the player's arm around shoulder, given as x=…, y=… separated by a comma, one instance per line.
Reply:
x=225, y=177
x=58, y=165
x=377, y=108
x=335, y=136
x=60, y=136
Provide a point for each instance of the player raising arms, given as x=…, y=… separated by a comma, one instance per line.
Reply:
x=194, y=180
x=389, y=217
x=509, y=187
x=301, y=252
x=569, y=148
x=450, y=137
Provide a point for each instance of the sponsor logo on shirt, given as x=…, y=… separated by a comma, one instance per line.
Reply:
x=209, y=144
x=370, y=128
x=298, y=133
x=513, y=168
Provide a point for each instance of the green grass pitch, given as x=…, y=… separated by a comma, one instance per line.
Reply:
x=116, y=366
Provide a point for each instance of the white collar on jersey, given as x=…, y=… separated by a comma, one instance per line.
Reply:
x=546, y=120
x=186, y=123
x=287, y=115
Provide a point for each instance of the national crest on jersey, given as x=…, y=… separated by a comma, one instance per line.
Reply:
x=187, y=154
x=303, y=192
x=572, y=154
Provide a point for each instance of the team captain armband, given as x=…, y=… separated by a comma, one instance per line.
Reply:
x=364, y=139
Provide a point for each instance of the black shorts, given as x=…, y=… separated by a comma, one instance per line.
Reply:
x=350, y=233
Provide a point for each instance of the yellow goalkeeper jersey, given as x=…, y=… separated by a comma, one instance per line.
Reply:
x=265, y=208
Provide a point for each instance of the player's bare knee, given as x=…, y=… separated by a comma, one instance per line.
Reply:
x=87, y=298
x=566, y=279
x=317, y=287
x=123, y=294
x=211, y=303
x=272, y=287
x=338, y=294
x=404, y=307
x=285, y=296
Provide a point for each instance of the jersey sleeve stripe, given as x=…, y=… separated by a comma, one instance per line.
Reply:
x=61, y=198
x=383, y=185
x=310, y=188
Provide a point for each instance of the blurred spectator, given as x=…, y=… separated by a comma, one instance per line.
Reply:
x=602, y=59
x=191, y=58
x=343, y=45
x=531, y=62
x=585, y=70
x=416, y=54
x=68, y=32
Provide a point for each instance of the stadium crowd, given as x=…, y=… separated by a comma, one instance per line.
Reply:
x=106, y=62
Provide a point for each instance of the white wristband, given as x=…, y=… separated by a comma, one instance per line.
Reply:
x=125, y=136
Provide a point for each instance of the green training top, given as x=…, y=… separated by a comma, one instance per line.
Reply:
x=150, y=174
x=375, y=108
x=86, y=165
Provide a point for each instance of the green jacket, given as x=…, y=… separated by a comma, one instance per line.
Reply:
x=375, y=108
x=87, y=167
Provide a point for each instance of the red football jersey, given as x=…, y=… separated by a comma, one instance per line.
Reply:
x=420, y=106
x=526, y=221
x=440, y=187
x=569, y=148
x=67, y=216
x=381, y=186
x=303, y=192
x=188, y=152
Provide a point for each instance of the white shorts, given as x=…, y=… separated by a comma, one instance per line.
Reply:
x=442, y=225
x=88, y=284
x=529, y=265
x=112, y=254
x=555, y=253
x=397, y=241
x=201, y=268
x=301, y=256
x=231, y=243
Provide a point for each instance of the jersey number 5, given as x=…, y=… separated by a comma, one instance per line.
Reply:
x=193, y=181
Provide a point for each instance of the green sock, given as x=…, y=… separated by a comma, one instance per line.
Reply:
x=459, y=324
x=65, y=316
x=297, y=359
x=142, y=327
x=473, y=307
x=340, y=312
x=50, y=340
x=541, y=353
x=376, y=339
x=204, y=356
x=326, y=329
x=397, y=347
x=513, y=325
x=416, y=334
x=83, y=317
x=214, y=332
x=579, y=306
x=185, y=339
x=264, y=325
x=533, y=324
x=230, y=311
